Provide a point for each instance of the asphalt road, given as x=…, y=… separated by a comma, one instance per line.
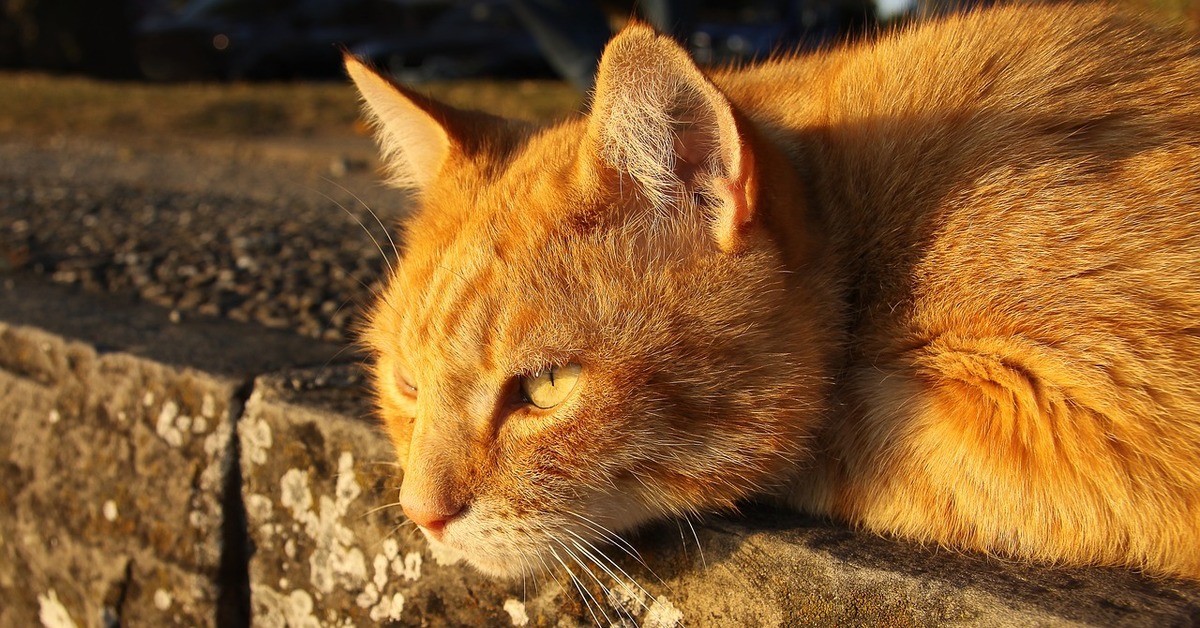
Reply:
x=273, y=231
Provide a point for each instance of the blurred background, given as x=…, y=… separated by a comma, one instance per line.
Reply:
x=418, y=40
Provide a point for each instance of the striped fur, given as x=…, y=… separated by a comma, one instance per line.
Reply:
x=944, y=285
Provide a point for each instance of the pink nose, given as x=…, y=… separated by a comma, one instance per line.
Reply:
x=433, y=517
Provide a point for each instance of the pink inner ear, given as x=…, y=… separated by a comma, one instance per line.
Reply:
x=697, y=144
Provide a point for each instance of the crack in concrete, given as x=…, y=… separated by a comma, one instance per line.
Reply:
x=233, y=572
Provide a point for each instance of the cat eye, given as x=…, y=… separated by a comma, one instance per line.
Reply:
x=405, y=385
x=550, y=386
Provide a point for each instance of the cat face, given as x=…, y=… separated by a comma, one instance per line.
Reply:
x=577, y=339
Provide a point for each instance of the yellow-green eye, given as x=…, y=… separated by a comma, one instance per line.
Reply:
x=550, y=387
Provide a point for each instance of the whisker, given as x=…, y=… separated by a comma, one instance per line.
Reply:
x=589, y=572
x=596, y=558
x=687, y=519
x=349, y=213
x=597, y=553
x=611, y=537
x=377, y=509
x=386, y=231
x=583, y=594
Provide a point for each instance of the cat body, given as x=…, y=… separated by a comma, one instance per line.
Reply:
x=944, y=285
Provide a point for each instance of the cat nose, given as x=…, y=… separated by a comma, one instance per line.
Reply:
x=431, y=516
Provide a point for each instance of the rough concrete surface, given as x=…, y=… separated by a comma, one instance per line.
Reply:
x=116, y=446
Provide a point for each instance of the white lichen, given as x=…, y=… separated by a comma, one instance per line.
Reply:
x=259, y=507
x=381, y=571
x=295, y=495
x=409, y=568
x=369, y=596
x=109, y=509
x=52, y=613
x=388, y=609
x=516, y=611
x=633, y=601
x=334, y=559
x=256, y=438
x=347, y=484
x=162, y=600
x=662, y=614
x=165, y=427
x=391, y=548
x=208, y=406
x=277, y=610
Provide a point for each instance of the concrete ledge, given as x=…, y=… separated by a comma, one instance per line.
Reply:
x=116, y=436
x=212, y=473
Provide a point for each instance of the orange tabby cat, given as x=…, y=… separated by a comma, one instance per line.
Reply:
x=945, y=285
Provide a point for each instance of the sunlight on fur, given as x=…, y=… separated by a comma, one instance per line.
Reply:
x=944, y=286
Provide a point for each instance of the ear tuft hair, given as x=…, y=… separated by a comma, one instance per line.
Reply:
x=413, y=141
x=657, y=118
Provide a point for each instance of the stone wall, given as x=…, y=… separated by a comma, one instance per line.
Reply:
x=202, y=472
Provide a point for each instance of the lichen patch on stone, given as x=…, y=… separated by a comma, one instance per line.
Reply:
x=631, y=600
x=277, y=610
x=381, y=571
x=166, y=428
x=662, y=614
x=388, y=609
x=516, y=611
x=208, y=407
x=162, y=600
x=391, y=549
x=409, y=568
x=52, y=613
x=334, y=558
x=255, y=436
x=259, y=507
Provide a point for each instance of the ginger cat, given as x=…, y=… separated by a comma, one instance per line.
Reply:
x=944, y=286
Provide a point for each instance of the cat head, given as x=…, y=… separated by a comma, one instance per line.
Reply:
x=595, y=323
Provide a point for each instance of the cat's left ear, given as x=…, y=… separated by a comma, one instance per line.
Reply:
x=417, y=135
x=657, y=118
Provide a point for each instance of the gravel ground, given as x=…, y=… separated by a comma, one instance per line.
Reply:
x=252, y=232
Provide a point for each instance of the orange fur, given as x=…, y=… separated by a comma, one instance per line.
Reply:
x=944, y=285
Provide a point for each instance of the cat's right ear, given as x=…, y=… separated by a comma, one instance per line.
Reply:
x=657, y=119
x=415, y=133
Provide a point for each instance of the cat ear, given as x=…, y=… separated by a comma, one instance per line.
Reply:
x=658, y=119
x=413, y=131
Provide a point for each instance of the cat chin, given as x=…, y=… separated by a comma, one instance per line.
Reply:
x=499, y=568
